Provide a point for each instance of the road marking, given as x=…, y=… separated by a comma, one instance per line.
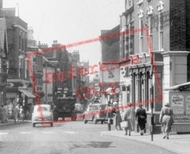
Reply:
x=47, y=132
x=70, y=132
x=25, y=132
x=3, y=133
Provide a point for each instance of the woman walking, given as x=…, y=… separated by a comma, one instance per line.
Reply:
x=166, y=119
x=141, y=118
x=128, y=116
x=117, y=117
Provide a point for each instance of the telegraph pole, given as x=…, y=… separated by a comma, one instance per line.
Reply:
x=152, y=96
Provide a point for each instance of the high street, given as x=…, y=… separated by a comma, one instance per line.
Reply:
x=69, y=137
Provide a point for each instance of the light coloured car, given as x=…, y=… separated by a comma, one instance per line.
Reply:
x=42, y=114
x=95, y=113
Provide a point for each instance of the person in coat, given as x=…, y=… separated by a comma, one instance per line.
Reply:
x=166, y=119
x=128, y=115
x=141, y=118
x=117, y=117
x=3, y=114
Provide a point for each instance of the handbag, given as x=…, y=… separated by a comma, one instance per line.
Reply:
x=124, y=124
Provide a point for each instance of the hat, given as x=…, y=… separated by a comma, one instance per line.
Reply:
x=167, y=104
x=114, y=103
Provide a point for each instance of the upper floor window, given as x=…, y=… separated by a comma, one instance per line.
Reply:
x=128, y=4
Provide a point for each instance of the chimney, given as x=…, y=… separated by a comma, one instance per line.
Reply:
x=1, y=4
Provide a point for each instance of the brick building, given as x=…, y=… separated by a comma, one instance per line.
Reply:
x=108, y=68
x=157, y=52
x=3, y=59
x=37, y=61
x=18, y=79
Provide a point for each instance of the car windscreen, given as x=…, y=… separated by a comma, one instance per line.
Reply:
x=39, y=109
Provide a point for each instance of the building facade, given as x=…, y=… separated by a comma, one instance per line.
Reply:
x=159, y=33
x=37, y=61
x=18, y=79
x=109, y=66
x=3, y=57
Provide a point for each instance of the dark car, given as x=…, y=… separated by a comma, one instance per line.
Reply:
x=95, y=113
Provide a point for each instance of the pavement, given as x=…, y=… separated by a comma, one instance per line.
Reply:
x=11, y=122
x=177, y=143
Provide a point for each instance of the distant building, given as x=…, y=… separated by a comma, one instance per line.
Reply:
x=18, y=77
x=37, y=61
x=3, y=59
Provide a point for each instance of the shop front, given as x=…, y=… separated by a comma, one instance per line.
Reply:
x=179, y=99
x=17, y=88
x=146, y=85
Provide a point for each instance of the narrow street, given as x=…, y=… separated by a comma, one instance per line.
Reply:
x=70, y=138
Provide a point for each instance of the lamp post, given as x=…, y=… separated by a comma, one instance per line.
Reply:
x=46, y=84
x=108, y=113
x=152, y=95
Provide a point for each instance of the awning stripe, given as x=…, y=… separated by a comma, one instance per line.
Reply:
x=27, y=93
x=178, y=86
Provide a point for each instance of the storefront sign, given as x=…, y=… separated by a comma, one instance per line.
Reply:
x=182, y=118
x=177, y=103
x=110, y=75
x=11, y=95
x=180, y=103
x=188, y=105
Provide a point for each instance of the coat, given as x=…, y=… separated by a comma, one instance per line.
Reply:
x=166, y=118
x=129, y=115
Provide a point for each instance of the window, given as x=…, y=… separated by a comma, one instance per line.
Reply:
x=20, y=41
x=150, y=27
x=141, y=35
x=42, y=109
x=160, y=31
x=128, y=4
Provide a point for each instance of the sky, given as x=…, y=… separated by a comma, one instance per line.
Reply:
x=70, y=21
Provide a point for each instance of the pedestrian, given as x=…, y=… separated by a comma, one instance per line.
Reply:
x=117, y=117
x=141, y=118
x=15, y=113
x=128, y=116
x=3, y=116
x=166, y=119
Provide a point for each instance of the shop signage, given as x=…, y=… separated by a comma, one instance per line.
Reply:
x=188, y=104
x=9, y=85
x=177, y=103
x=180, y=103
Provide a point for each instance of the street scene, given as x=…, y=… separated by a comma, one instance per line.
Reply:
x=110, y=76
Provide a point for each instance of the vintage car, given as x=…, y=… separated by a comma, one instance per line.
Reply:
x=42, y=114
x=95, y=113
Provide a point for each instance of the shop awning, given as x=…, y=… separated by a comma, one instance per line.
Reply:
x=180, y=87
x=27, y=93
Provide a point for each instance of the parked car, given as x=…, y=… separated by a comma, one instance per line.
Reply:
x=42, y=114
x=95, y=113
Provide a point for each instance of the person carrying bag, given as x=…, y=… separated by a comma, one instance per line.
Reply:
x=128, y=117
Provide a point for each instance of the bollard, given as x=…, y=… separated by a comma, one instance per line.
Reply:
x=109, y=124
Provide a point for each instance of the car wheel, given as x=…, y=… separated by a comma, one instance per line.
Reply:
x=52, y=124
x=85, y=121
x=33, y=125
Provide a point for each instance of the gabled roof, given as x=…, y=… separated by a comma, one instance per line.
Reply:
x=181, y=87
x=3, y=38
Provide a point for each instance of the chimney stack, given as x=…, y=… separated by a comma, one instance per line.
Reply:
x=1, y=4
